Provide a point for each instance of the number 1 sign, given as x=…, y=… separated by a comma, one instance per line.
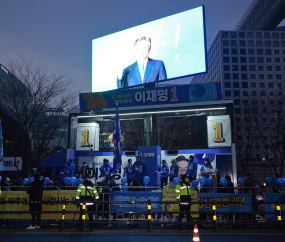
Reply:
x=219, y=131
x=87, y=136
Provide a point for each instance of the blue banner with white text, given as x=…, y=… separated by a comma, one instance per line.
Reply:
x=97, y=101
x=236, y=202
x=133, y=197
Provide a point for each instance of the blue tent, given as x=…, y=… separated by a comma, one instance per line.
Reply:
x=55, y=162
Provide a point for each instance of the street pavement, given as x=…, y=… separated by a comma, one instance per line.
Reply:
x=141, y=236
x=48, y=233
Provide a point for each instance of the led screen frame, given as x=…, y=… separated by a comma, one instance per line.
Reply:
x=182, y=56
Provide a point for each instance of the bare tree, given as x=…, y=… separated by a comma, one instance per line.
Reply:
x=177, y=133
x=39, y=101
x=265, y=120
x=133, y=133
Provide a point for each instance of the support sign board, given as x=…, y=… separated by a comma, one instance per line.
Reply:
x=219, y=131
x=87, y=137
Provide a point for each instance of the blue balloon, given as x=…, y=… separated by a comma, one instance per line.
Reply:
x=280, y=182
x=79, y=181
x=146, y=180
x=224, y=182
x=202, y=181
x=195, y=183
x=46, y=180
x=31, y=179
x=73, y=181
x=269, y=180
x=257, y=187
x=176, y=181
x=0, y=178
x=66, y=180
x=25, y=181
x=209, y=182
x=124, y=180
x=241, y=181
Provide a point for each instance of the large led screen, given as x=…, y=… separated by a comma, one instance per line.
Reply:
x=160, y=50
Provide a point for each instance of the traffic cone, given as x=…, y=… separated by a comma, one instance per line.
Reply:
x=196, y=234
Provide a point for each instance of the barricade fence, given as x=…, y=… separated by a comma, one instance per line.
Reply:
x=148, y=214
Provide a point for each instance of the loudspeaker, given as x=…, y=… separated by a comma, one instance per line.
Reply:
x=172, y=152
x=130, y=152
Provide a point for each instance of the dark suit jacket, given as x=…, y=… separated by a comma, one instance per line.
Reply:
x=155, y=71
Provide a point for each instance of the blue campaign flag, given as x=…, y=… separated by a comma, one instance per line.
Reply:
x=117, y=139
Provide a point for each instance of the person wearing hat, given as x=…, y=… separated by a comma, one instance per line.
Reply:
x=86, y=191
x=35, y=201
x=206, y=165
x=106, y=169
x=139, y=169
x=183, y=195
x=191, y=171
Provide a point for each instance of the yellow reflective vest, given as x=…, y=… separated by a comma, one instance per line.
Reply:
x=183, y=192
x=86, y=191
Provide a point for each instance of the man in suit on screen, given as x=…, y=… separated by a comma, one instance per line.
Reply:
x=145, y=69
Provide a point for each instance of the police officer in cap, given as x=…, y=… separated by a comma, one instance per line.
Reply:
x=183, y=195
x=86, y=191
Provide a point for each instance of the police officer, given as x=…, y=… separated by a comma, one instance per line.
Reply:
x=106, y=169
x=87, y=191
x=191, y=168
x=183, y=195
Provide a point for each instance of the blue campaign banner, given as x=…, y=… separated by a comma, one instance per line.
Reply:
x=132, y=197
x=273, y=197
x=150, y=96
x=244, y=198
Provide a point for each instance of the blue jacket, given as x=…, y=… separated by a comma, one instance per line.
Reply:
x=70, y=169
x=209, y=166
x=128, y=170
x=165, y=171
x=139, y=170
x=191, y=168
x=174, y=171
x=106, y=171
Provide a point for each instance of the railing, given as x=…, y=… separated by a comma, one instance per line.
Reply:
x=148, y=216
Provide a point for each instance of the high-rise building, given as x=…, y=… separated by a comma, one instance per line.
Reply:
x=250, y=64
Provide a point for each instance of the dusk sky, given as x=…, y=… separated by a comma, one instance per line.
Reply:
x=61, y=31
